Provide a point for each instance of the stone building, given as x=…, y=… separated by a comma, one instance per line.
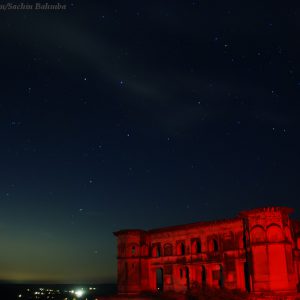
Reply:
x=258, y=251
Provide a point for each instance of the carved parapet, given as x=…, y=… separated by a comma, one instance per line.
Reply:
x=267, y=210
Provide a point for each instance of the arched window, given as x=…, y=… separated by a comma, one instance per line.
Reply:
x=213, y=245
x=227, y=239
x=196, y=247
x=257, y=235
x=180, y=249
x=133, y=250
x=144, y=250
x=156, y=251
x=168, y=250
x=274, y=233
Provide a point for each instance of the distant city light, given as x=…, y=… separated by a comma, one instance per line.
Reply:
x=50, y=293
x=79, y=293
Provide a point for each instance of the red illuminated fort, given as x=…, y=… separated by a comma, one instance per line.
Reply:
x=258, y=251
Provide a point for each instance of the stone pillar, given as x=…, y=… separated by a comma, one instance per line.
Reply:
x=240, y=274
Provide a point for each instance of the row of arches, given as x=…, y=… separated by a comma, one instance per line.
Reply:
x=183, y=275
x=167, y=249
x=196, y=248
x=180, y=248
x=273, y=233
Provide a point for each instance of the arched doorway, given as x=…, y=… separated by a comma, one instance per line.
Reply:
x=187, y=274
x=247, y=276
x=221, y=280
x=159, y=280
x=213, y=245
x=203, y=276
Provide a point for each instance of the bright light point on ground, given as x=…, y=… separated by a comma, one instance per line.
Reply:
x=79, y=293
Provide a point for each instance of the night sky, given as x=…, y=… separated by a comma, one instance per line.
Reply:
x=140, y=114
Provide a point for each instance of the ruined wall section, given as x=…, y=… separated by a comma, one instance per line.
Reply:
x=207, y=253
x=132, y=261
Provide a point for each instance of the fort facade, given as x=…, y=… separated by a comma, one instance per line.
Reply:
x=258, y=251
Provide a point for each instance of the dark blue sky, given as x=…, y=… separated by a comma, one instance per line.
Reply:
x=140, y=114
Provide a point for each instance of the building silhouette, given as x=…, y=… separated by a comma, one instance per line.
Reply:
x=258, y=251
